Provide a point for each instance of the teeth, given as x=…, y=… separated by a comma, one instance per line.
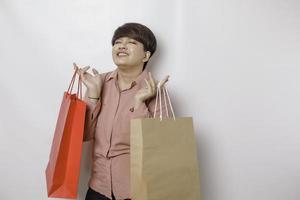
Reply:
x=122, y=54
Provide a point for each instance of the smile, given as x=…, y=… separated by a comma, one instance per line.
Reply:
x=122, y=54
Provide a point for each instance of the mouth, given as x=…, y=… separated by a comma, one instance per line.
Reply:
x=122, y=54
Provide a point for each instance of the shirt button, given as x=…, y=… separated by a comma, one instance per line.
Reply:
x=131, y=109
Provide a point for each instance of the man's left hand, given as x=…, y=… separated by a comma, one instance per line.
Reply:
x=149, y=91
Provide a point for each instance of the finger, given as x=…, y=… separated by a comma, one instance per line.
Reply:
x=162, y=82
x=148, y=85
x=81, y=72
x=151, y=80
x=78, y=71
x=75, y=66
x=95, y=71
x=81, y=76
x=85, y=69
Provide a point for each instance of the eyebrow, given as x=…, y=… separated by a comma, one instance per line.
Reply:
x=130, y=39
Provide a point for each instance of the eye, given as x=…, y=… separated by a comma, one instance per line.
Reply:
x=132, y=42
x=116, y=42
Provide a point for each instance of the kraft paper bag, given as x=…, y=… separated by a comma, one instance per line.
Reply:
x=63, y=169
x=164, y=161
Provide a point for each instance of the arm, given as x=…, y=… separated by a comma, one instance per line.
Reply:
x=146, y=109
x=94, y=84
x=93, y=108
x=145, y=99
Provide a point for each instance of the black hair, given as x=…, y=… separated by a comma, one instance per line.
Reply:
x=137, y=32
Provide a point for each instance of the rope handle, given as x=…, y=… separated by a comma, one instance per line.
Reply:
x=79, y=85
x=158, y=96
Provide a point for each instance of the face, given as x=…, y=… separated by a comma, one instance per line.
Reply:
x=127, y=52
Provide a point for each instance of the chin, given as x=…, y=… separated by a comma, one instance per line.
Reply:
x=119, y=61
x=124, y=64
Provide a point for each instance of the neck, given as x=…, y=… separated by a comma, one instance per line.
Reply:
x=129, y=75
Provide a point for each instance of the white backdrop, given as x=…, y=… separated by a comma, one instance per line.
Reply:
x=234, y=67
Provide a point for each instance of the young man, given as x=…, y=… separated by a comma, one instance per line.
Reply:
x=113, y=99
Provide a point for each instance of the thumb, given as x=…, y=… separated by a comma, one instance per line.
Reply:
x=95, y=72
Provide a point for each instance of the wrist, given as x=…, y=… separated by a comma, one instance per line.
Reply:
x=137, y=103
x=94, y=98
x=93, y=94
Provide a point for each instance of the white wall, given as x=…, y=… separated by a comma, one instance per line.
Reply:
x=234, y=67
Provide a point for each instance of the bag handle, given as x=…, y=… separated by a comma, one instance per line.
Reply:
x=79, y=86
x=158, y=96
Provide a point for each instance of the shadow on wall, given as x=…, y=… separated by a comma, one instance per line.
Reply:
x=85, y=169
x=204, y=163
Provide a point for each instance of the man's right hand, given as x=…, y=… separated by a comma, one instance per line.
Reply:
x=93, y=83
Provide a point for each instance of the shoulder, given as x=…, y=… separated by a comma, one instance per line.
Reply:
x=105, y=75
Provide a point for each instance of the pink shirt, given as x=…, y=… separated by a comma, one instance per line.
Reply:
x=108, y=125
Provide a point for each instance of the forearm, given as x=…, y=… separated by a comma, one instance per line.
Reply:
x=137, y=103
x=93, y=95
x=93, y=103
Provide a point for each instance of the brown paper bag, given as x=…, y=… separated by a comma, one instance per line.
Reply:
x=164, y=159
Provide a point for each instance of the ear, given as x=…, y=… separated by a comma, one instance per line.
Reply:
x=147, y=56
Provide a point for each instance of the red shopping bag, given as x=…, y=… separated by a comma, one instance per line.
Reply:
x=62, y=172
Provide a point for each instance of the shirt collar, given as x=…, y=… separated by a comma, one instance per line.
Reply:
x=143, y=75
x=113, y=74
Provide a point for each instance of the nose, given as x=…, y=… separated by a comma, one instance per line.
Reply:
x=122, y=46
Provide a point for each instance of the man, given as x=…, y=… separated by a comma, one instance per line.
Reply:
x=113, y=99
